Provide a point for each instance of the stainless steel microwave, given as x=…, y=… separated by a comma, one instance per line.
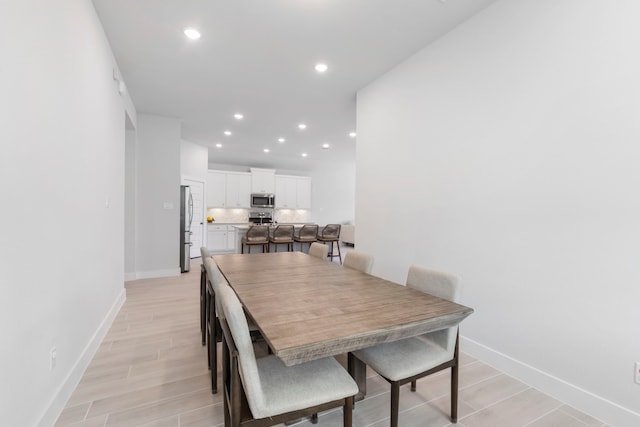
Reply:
x=261, y=200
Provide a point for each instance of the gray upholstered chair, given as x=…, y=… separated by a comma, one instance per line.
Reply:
x=318, y=250
x=274, y=392
x=204, y=253
x=330, y=233
x=405, y=361
x=358, y=261
x=256, y=235
x=306, y=234
x=283, y=234
x=214, y=280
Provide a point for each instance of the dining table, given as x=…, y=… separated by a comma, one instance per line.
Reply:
x=307, y=308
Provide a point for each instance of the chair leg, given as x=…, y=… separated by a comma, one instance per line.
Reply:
x=208, y=350
x=314, y=418
x=347, y=412
x=339, y=254
x=454, y=393
x=213, y=345
x=413, y=385
x=395, y=403
x=203, y=306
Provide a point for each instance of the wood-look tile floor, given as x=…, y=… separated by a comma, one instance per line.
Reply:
x=151, y=370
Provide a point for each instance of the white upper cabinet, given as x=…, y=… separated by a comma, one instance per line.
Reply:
x=216, y=189
x=238, y=190
x=233, y=189
x=293, y=192
x=263, y=180
x=286, y=192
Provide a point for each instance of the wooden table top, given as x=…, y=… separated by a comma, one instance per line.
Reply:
x=307, y=308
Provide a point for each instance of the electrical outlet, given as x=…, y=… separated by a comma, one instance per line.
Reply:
x=53, y=354
x=637, y=373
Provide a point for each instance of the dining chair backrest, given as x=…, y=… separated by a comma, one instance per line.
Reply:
x=258, y=233
x=319, y=250
x=204, y=252
x=358, y=261
x=283, y=232
x=217, y=280
x=308, y=232
x=441, y=285
x=235, y=317
x=330, y=231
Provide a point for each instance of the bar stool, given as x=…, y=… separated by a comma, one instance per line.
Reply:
x=307, y=234
x=331, y=234
x=283, y=234
x=256, y=235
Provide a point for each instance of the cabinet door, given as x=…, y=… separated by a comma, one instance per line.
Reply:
x=217, y=241
x=216, y=189
x=263, y=181
x=231, y=239
x=286, y=188
x=238, y=190
x=303, y=193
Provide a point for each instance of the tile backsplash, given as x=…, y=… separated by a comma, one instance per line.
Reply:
x=229, y=215
x=292, y=215
x=221, y=215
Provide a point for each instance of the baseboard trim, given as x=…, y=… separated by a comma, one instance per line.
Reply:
x=70, y=383
x=129, y=276
x=583, y=400
x=172, y=272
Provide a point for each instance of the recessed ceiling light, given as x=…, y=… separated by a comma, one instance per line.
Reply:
x=281, y=140
x=304, y=154
x=238, y=116
x=227, y=132
x=219, y=145
x=266, y=150
x=352, y=134
x=325, y=146
x=321, y=68
x=192, y=33
x=302, y=126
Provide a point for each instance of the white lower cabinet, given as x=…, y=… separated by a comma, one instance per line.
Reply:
x=221, y=238
x=231, y=238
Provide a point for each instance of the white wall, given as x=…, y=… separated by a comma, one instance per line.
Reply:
x=333, y=193
x=62, y=126
x=194, y=159
x=158, y=183
x=507, y=152
x=130, y=239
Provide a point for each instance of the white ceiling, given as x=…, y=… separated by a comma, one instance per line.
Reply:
x=257, y=57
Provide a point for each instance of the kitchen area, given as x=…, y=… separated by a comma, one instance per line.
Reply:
x=237, y=200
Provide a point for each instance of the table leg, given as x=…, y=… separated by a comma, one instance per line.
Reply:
x=358, y=371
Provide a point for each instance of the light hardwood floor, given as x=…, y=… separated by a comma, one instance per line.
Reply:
x=151, y=370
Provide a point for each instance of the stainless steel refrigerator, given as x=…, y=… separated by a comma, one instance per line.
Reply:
x=186, y=217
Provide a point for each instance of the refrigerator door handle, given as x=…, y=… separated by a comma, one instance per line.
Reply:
x=190, y=208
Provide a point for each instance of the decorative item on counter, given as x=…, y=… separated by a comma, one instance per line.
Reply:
x=210, y=219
